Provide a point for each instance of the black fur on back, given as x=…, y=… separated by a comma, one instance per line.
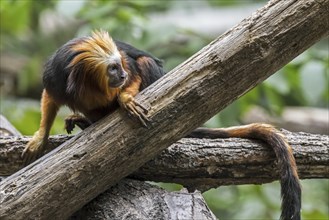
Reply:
x=56, y=70
x=154, y=70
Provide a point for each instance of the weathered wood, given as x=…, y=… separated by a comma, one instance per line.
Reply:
x=145, y=201
x=131, y=199
x=206, y=163
x=183, y=99
x=11, y=148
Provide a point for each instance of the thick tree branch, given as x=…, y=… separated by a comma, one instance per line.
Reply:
x=145, y=201
x=206, y=163
x=183, y=99
x=132, y=199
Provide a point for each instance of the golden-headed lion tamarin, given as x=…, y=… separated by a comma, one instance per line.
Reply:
x=95, y=75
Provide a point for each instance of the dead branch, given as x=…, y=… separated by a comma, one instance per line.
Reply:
x=206, y=163
x=131, y=199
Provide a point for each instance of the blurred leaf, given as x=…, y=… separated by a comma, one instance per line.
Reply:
x=14, y=16
x=69, y=8
x=25, y=116
x=273, y=101
x=31, y=74
x=228, y=116
x=214, y=122
x=312, y=81
x=300, y=59
x=92, y=13
x=125, y=14
x=278, y=82
x=168, y=186
x=221, y=3
x=249, y=99
x=223, y=201
x=295, y=96
x=314, y=190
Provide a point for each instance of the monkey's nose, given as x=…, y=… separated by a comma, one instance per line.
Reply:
x=123, y=74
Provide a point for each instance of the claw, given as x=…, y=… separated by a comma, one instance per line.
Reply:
x=78, y=120
x=33, y=149
x=28, y=157
x=141, y=106
x=137, y=110
x=69, y=125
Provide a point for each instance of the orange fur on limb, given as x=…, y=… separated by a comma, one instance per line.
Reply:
x=37, y=144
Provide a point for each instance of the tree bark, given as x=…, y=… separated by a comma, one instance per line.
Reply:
x=206, y=163
x=183, y=99
x=131, y=199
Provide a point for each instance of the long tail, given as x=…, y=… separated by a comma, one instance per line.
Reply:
x=290, y=186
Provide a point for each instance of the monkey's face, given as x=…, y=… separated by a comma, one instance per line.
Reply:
x=117, y=75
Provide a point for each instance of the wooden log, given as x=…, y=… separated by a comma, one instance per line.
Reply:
x=209, y=163
x=145, y=200
x=206, y=163
x=131, y=199
x=183, y=99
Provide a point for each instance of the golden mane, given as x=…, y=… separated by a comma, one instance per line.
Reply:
x=93, y=55
x=96, y=49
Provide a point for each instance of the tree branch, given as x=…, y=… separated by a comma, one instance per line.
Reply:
x=183, y=99
x=145, y=200
x=131, y=199
x=206, y=163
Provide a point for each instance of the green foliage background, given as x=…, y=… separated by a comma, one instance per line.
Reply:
x=28, y=30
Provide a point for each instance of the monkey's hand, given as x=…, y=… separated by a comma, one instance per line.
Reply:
x=134, y=108
x=34, y=148
x=78, y=120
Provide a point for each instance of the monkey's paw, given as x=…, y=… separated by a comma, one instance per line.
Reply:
x=78, y=120
x=136, y=109
x=33, y=149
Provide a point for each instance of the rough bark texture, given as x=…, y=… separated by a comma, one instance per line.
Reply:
x=183, y=99
x=205, y=163
x=11, y=148
x=131, y=199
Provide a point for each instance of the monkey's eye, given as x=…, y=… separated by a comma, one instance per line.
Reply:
x=113, y=68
